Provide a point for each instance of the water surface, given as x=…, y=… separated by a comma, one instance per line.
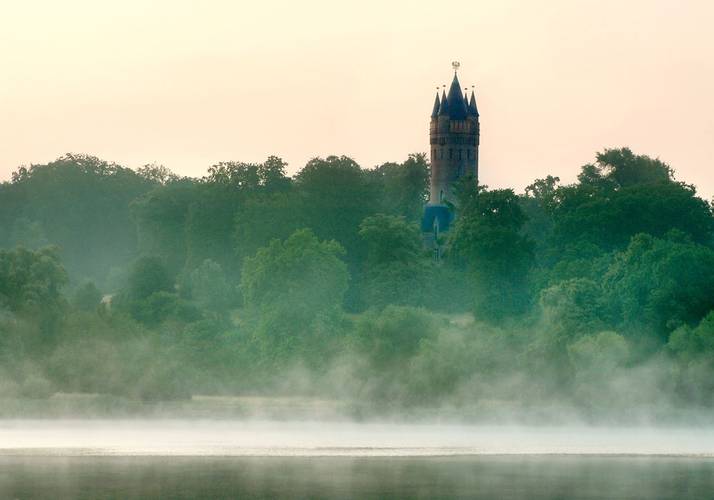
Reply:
x=480, y=477
x=269, y=459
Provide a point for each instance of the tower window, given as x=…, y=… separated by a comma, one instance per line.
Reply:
x=468, y=154
x=451, y=154
x=459, y=154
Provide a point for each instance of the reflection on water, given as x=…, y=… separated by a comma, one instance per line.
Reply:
x=502, y=477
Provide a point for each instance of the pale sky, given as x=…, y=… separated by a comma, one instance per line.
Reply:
x=187, y=84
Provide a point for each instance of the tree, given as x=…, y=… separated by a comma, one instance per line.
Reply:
x=79, y=203
x=269, y=175
x=390, y=240
x=544, y=191
x=229, y=190
x=395, y=268
x=393, y=335
x=28, y=234
x=209, y=288
x=624, y=168
x=598, y=361
x=302, y=272
x=157, y=174
x=30, y=287
x=235, y=174
x=623, y=195
x=661, y=283
x=610, y=220
x=272, y=174
x=336, y=198
x=87, y=297
x=31, y=281
x=405, y=186
x=487, y=240
x=572, y=308
x=264, y=218
x=537, y=204
x=293, y=292
x=161, y=219
x=693, y=351
x=148, y=275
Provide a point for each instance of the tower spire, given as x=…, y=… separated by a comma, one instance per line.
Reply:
x=444, y=108
x=435, y=109
x=473, y=110
x=457, y=106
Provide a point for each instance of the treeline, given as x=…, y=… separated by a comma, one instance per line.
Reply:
x=147, y=285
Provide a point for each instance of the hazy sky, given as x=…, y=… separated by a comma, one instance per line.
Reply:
x=188, y=84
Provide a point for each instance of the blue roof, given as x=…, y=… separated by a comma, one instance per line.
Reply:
x=439, y=213
x=473, y=110
x=444, y=107
x=437, y=105
x=458, y=109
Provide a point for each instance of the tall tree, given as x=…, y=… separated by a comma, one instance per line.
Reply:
x=487, y=239
x=81, y=203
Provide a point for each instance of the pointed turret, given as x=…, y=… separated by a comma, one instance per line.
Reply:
x=457, y=106
x=435, y=109
x=444, y=107
x=473, y=110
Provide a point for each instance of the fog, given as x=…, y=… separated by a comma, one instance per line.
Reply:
x=160, y=437
x=248, y=313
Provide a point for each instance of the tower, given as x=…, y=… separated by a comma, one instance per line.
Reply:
x=454, y=141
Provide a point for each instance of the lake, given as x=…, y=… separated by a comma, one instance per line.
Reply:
x=504, y=477
x=268, y=459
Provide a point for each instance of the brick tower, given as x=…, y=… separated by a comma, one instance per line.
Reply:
x=454, y=140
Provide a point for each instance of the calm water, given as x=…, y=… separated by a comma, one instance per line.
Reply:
x=301, y=459
x=492, y=477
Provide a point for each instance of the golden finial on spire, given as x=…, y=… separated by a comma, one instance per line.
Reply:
x=455, y=65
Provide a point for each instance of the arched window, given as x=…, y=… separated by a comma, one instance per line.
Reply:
x=451, y=154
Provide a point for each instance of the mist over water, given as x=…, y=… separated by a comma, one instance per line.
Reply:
x=257, y=321
x=324, y=438
x=322, y=459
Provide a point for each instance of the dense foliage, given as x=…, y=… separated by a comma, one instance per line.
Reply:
x=598, y=294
